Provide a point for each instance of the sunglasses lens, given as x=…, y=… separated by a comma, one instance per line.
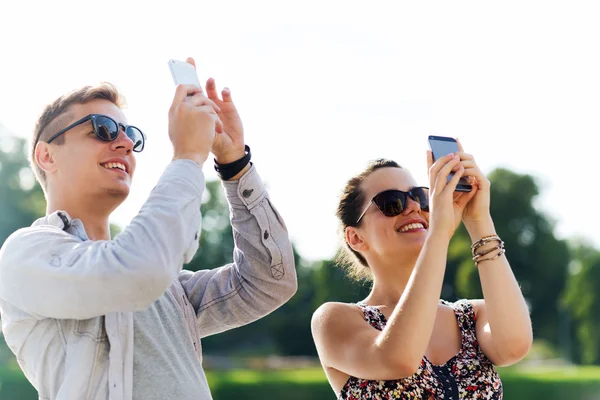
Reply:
x=106, y=129
x=136, y=137
x=421, y=196
x=391, y=202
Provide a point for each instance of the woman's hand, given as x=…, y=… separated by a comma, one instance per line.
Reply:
x=445, y=205
x=477, y=208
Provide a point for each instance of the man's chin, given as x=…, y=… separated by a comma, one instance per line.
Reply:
x=118, y=192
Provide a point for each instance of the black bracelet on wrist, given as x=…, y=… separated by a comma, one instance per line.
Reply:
x=228, y=171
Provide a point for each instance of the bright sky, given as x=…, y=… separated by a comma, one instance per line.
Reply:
x=325, y=86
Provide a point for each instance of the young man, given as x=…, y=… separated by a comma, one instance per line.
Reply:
x=93, y=318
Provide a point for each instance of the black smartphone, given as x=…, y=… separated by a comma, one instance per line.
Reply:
x=441, y=146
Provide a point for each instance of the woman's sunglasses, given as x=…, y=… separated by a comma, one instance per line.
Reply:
x=392, y=202
x=107, y=129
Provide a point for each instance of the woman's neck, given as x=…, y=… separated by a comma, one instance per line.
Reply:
x=389, y=284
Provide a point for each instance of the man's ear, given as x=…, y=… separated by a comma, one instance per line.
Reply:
x=44, y=157
x=355, y=239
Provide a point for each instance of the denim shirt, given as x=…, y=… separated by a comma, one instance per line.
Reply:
x=67, y=302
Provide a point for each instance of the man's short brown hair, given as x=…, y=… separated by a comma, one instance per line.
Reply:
x=56, y=116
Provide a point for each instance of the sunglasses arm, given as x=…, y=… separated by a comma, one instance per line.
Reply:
x=73, y=125
x=364, y=211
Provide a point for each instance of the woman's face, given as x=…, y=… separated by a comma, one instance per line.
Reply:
x=397, y=238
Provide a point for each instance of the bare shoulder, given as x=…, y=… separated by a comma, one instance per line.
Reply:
x=330, y=316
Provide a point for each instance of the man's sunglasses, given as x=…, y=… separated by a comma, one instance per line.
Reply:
x=392, y=202
x=107, y=129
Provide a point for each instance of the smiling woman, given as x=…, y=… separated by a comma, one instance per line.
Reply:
x=403, y=341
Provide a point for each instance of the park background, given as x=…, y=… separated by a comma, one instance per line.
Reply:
x=322, y=88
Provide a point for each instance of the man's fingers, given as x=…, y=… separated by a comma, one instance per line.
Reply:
x=199, y=99
x=190, y=60
x=211, y=89
x=226, y=94
x=208, y=109
x=182, y=92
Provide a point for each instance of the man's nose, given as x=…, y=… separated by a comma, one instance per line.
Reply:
x=123, y=142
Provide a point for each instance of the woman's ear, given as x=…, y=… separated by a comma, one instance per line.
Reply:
x=355, y=239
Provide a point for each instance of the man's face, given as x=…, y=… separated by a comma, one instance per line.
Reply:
x=89, y=166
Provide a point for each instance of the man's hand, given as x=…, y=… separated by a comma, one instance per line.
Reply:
x=193, y=119
x=229, y=145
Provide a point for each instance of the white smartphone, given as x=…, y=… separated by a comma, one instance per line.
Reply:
x=184, y=73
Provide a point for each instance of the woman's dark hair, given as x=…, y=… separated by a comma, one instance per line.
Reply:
x=349, y=208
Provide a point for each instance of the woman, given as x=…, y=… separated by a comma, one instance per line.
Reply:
x=402, y=341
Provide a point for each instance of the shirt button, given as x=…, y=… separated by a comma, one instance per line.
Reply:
x=266, y=235
x=247, y=193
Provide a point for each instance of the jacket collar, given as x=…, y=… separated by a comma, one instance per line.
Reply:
x=62, y=220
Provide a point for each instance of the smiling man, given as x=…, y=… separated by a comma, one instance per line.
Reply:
x=93, y=318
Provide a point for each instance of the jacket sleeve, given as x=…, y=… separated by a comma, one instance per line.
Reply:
x=50, y=273
x=262, y=276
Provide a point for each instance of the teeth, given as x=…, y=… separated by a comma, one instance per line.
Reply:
x=111, y=165
x=414, y=225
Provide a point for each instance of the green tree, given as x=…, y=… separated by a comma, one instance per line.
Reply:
x=216, y=237
x=320, y=282
x=333, y=284
x=581, y=300
x=288, y=327
x=21, y=197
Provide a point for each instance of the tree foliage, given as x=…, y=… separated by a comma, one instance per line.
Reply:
x=21, y=198
x=582, y=299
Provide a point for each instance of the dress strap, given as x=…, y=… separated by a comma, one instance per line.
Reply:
x=465, y=316
x=373, y=316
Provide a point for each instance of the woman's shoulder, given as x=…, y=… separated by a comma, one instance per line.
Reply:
x=334, y=314
x=335, y=307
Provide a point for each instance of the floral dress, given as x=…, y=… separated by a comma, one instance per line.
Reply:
x=467, y=375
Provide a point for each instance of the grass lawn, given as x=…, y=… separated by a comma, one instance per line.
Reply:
x=560, y=383
x=564, y=383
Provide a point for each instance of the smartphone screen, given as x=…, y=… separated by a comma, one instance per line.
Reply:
x=441, y=146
